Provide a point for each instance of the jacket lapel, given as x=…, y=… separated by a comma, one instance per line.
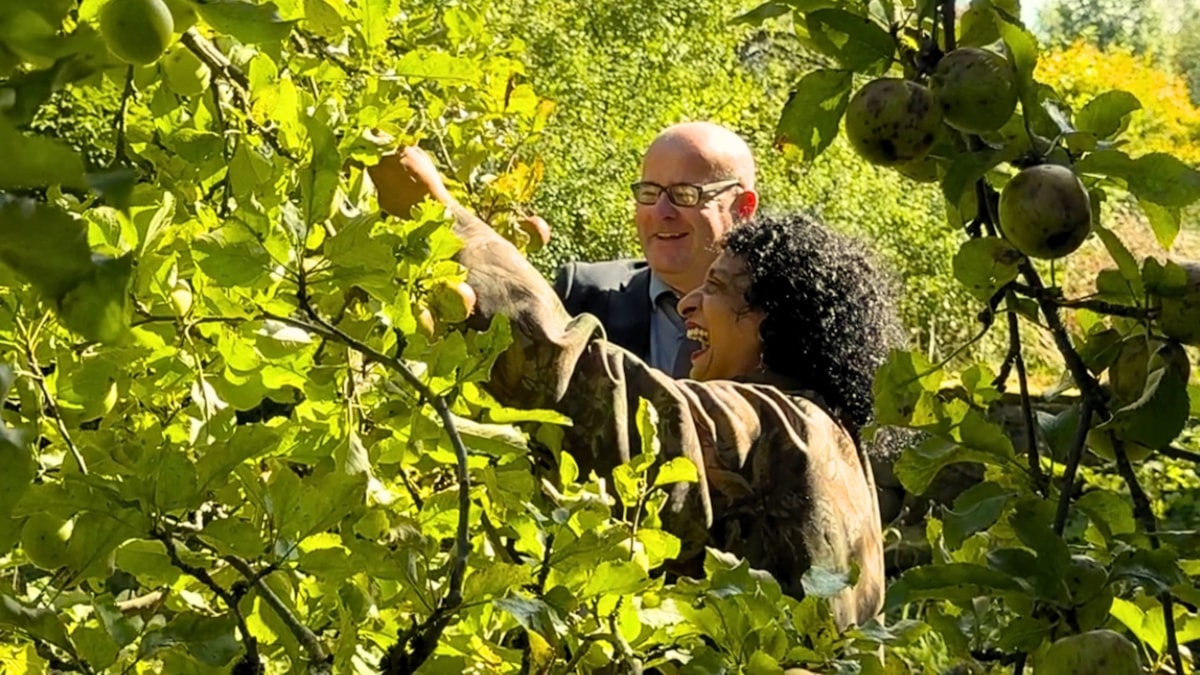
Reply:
x=629, y=314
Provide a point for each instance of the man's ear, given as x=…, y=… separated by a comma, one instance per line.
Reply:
x=745, y=205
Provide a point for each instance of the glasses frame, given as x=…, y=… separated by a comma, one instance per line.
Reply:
x=704, y=191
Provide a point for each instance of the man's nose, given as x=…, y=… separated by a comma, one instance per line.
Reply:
x=663, y=208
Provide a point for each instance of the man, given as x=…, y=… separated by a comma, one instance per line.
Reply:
x=697, y=182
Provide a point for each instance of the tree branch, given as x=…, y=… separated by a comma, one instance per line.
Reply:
x=424, y=638
x=1176, y=453
x=228, y=597
x=949, y=15
x=1145, y=514
x=121, y=154
x=312, y=644
x=1074, y=455
x=52, y=409
x=1098, y=306
x=1035, y=463
x=240, y=84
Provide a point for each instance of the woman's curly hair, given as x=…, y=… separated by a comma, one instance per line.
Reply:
x=830, y=308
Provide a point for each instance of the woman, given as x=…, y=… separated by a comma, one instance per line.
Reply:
x=783, y=482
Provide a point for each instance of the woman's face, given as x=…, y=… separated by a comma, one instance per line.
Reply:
x=718, y=317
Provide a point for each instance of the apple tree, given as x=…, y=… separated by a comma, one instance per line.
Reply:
x=1059, y=540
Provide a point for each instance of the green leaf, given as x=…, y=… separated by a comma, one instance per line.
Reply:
x=39, y=622
x=231, y=256
x=856, y=41
x=428, y=64
x=1125, y=261
x=974, y=510
x=1157, y=418
x=813, y=112
x=1024, y=634
x=234, y=536
x=1111, y=513
x=765, y=11
x=494, y=579
x=977, y=433
x=1108, y=113
x=36, y=161
x=955, y=581
x=147, y=560
x=44, y=244
x=822, y=583
x=219, y=461
x=1023, y=54
x=966, y=169
x=97, y=307
x=249, y=22
x=19, y=466
x=375, y=18
x=1164, y=222
x=1155, y=570
x=319, y=178
x=1058, y=430
x=617, y=577
x=917, y=467
x=1156, y=177
x=899, y=384
x=211, y=640
x=762, y=663
x=627, y=485
x=325, y=18
x=978, y=26
x=1033, y=521
x=986, y=265
x=533, y=614
x=95, y=646
x=1139, y=623
x=678, y=470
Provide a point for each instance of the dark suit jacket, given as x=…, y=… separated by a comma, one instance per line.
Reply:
x=617, y=293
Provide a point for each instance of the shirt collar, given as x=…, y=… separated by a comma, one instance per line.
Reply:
x=658, y=288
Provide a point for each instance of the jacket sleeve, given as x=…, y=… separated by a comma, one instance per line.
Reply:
x=780, y=482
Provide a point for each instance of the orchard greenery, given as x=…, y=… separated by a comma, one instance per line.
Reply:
x=1042, y=564
x=243, y=430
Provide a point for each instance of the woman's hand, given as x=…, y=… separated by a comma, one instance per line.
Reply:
x=406, y=177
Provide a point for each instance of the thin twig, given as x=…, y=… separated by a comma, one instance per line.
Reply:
x=1035, y=462
x=52, y=409
x=239, y=84
x=119, y=119
x=141, y=603
x=227, y=181
x=1098, y=306
x=1074, y=455
x=1087, y=384
x=1177, y=453
x=312, y=644
x=228, y=597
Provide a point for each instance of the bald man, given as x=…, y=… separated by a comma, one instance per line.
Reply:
x=697, y=182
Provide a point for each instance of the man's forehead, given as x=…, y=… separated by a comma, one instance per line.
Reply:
x=678, y=162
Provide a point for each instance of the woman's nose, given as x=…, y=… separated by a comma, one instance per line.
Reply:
x=688, y=304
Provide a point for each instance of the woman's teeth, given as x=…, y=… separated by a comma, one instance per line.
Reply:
x=699, y=335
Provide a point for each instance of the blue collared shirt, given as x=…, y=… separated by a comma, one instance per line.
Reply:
x=667, y=331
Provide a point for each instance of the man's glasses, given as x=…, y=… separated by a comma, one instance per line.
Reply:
x=680, y=194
